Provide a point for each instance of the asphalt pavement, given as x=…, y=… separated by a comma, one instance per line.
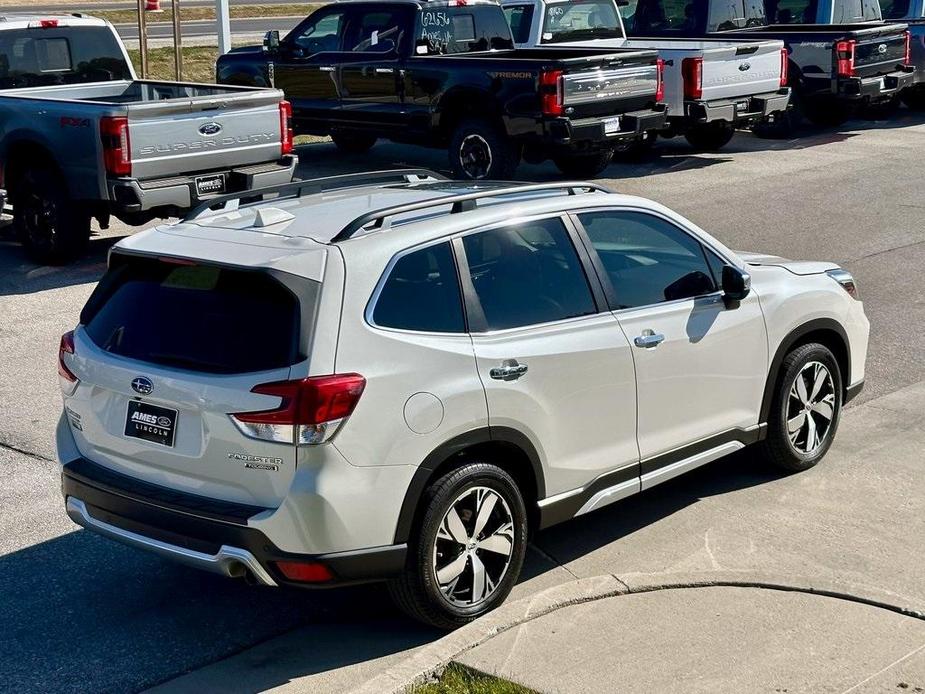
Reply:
x=78, y=613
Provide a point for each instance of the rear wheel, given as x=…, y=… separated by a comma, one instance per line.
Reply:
x=468, y=550
x=636, y=149
x=805, y=410
x=710, y=137
x=353, y=143
x=826, y=113
x=583, y=166
x=481, y=150
x=882, y=110
x=53, y=229
x=914, y=97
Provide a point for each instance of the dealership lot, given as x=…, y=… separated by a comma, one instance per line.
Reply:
x=81, y=613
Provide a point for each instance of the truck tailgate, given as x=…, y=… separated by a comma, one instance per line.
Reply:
x=593, y=85
x=181, y=136
x=879, y=54
x=741, y=70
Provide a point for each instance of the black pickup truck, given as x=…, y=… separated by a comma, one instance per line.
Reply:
x=447, y=75
x=841, y=54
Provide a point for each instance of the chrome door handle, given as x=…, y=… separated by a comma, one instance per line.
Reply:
x=649, y=339
x=326, y=68
x=384, y=71
x=510, y=370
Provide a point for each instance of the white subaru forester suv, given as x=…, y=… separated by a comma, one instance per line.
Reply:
x=393, y=376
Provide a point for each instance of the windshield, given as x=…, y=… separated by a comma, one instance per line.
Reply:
x=895, y=9
x=581, y=20
x=63, y=55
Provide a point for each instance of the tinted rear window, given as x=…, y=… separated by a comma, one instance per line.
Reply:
x=463, y=29
x=39, y=57
x=195, y=317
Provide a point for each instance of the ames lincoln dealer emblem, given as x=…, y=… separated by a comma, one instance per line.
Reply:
x=210, y=129
x=142, y=385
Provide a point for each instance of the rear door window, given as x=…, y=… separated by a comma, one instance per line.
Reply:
x=197, y=317
x=463, y=29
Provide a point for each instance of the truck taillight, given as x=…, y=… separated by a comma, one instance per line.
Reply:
x=844, y=58
x=907, y=53
x=552, y=92
x=117, y=155
x=659, y=80
x=285, y=127
x=784, y=67
x=692, y=72
x=66, y=377
x=310, y=410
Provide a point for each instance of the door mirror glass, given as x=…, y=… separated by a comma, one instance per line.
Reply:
x=271, y=41
x=736, y=283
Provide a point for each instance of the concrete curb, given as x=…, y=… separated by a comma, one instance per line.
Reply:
x=431, y=659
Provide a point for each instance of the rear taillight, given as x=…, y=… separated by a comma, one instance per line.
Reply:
x=907, y=53
x=659, y=80
x=66, y=377
x=310, y=410
x=552, y=92
x=285, y=127
x=844, y=58
x=304, y=571
x=784, y=67
x=117, y=155
x=692, y=72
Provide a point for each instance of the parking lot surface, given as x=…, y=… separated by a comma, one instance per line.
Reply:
x=79, y=613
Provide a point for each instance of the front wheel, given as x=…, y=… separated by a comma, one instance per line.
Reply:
x=468, y=550
x=805, y=410
x=480, y=150
x=710, y=137
x=353, y=143
x=582, y=166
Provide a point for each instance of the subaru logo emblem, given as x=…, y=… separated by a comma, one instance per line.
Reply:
x=881, y=48
x=210, y=129
x=744, y=66
x=142, y=385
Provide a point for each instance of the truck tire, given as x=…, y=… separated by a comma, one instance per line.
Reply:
x=467, y=550
x=914, y=97
x=480, y=150
x=710, y=137
x=353, y=143
x=582, y=166
x=805, y=410
x=881, y=110
x=826, y=113
x=51, y=227
x=635, y=150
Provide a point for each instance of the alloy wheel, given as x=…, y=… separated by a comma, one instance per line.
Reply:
x=475, y=156
x=811, y=408
x=473, y=547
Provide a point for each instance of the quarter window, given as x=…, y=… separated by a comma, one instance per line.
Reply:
x=647, y=259
x=519, y=17
x=422, y=293
x=527, y=274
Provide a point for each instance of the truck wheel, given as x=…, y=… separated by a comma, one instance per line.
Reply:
x=468, y=549
x=637, y=149
x=882, y=110
x=710, y=137
x=826, y=113
x=480, y=150
x=805, y=410
x=353, y=143
x=914, y=97
x=53, y=230
x=582, y=166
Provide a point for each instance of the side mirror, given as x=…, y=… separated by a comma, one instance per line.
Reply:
x=736, y=284
x=271, y=41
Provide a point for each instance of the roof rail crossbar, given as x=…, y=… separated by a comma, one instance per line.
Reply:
x=311, y=186
x=464, y=202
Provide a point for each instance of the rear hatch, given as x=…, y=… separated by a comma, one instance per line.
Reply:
x=879, y=54
x=167, y=350
x=177, y=129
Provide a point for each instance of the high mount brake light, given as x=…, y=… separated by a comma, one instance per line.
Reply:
x=692, y=72
x=844, y=58
x=117, y=154
x=552, y=92
x=310, y=409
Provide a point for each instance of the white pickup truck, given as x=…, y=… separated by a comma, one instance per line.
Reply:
x=712, y=86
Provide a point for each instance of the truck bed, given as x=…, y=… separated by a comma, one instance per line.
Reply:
x=128, y=92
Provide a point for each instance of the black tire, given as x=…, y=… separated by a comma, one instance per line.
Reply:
x=881, y=110
x=914, y=97
x=53, y=229
x=417, y=591
x=583, y=166
x=637, y=149
x=826, y=113
x=778, y=448
x=480, y=150
x=710, y=137
x=353, y=143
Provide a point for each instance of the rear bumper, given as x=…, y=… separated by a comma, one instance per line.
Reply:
x=877, y=88
x=180, y=193
x=591, y=133
x=204, y=533
x=738, y=111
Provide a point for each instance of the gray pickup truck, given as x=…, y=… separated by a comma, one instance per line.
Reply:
x=82, y=138
x=911, y=13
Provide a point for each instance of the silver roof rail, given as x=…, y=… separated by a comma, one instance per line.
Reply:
x=311, y=186
x=463, y=202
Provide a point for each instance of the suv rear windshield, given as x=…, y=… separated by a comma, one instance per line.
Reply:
x=65, y=55
x=196, y=317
